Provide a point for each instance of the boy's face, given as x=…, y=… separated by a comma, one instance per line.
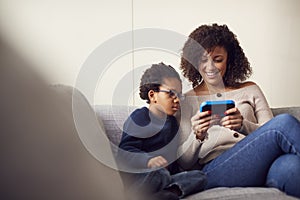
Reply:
x=167, y=100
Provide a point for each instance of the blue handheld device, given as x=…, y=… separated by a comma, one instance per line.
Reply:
x=217, y=107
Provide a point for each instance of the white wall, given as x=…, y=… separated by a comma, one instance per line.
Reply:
x=61, y=37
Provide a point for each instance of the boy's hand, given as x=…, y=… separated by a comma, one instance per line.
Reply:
x=157, y=161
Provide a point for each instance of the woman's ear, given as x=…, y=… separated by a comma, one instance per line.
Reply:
x=152, y=96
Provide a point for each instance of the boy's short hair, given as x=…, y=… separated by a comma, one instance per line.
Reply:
x=153, y=78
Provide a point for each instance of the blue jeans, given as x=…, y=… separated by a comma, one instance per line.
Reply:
x=270, y=156
x=189, y=182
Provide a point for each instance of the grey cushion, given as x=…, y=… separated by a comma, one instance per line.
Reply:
x=247, y=193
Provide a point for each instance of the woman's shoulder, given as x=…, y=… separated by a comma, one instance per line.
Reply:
x=247, y=84
x=190, y=93
x=250, y=87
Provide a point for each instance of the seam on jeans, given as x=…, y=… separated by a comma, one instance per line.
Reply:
x=256, y=138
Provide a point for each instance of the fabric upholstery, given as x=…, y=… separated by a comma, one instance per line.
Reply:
x=248, y=193
x=295, y=111
x=113, y=118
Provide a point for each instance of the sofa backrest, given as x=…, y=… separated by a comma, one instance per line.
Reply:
x=295, y=111
x=113, y=118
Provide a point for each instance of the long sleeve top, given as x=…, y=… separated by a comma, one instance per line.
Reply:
x=254, y=108
x=146, y=136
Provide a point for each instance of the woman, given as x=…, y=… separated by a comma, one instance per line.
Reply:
x=233, y=150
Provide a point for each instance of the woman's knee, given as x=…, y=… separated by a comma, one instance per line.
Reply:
x=284, y=123
x=286, y=118
x=284, y=174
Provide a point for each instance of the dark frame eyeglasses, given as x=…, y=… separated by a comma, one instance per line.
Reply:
x=173, y=94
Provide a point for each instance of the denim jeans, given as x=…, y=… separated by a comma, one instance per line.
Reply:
x=189, y=182
x=270, y=156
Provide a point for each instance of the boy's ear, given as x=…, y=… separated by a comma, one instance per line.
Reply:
x=152, y=96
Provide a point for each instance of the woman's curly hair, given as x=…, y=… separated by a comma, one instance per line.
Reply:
x=206, y=38
x=153, y=78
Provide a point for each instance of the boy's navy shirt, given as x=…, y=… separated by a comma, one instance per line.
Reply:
x=146, y=136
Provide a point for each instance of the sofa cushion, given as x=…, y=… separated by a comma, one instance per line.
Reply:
x=246, y=193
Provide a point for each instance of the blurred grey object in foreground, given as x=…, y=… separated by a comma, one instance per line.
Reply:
x=41, y=154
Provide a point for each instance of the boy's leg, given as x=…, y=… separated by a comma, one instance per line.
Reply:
x=151, y=186
x=148, y=183
x=188, y=182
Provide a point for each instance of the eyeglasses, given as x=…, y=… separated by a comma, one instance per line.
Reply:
x=173, y=94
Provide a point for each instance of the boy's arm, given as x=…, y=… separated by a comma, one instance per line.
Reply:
x=130, y=152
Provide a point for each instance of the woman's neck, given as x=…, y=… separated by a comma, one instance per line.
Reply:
x=203, y=88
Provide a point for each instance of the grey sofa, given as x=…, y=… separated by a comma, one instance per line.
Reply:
x=112, y=118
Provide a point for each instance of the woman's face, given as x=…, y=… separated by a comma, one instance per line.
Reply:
x=213, y=66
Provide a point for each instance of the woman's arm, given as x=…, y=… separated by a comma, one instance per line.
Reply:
x=189, y=146
x=188, y=152
x=262, y=112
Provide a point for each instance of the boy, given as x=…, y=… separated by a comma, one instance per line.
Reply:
x=148, y=148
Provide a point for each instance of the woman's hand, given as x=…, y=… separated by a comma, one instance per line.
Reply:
x=233, y=119
x=157, y=161
x=201, y=122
